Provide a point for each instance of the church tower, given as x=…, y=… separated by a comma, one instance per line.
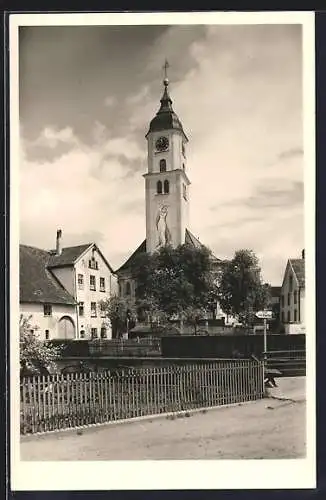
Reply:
x=166, y=192
x=166, y=181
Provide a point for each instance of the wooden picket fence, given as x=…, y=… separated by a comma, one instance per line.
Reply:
x=67, y=401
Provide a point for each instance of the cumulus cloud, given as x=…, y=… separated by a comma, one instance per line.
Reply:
x=237, y=91
x=65, y=193
x=51, y=138
x=139, y=97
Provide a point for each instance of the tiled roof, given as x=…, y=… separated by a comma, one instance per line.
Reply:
x=37, y=283
x=68, y=255
x=190, y=239
x=298, y=266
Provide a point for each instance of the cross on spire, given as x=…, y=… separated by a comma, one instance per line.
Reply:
x=165, y=68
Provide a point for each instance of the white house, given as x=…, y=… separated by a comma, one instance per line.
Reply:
x=63, y=289
x=293, y=296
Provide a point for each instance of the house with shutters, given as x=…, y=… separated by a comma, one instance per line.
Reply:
x=63, y=290
x=293, y=296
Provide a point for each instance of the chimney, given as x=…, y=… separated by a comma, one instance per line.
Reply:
x=302, y=254
x=58, y=242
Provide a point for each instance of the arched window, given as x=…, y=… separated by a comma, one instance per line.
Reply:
x=162, y=166
x=166, y=187
x=128, y=288
x=159, y=187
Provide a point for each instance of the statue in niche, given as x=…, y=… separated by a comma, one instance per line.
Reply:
x=164, y=235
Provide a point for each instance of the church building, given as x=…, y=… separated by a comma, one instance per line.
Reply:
x=167, y=190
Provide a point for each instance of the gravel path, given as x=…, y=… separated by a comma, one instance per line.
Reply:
x=270, y=428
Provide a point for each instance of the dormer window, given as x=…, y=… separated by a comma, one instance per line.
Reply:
x=166, y=187
x=162, y=165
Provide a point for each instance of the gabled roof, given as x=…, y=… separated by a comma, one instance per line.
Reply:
x=298, y=266
x=68, y=256
x=190, y=240
x=141, y=249
x=37, y=283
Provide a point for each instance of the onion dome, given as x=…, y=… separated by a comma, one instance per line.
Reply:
x=166, y=118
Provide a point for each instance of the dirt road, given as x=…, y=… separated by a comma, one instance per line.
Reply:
x=268, y=428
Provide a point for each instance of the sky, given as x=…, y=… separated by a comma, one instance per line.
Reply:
x=86, y=97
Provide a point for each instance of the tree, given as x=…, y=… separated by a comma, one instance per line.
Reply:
x=35, y=355
x=193, y=315
x=173, y=281
x=148, y=310
x=121, y=314
x=241, y=290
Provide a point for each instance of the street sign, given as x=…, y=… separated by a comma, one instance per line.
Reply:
x=265, y=314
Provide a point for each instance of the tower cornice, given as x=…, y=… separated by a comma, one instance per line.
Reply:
x=160, y=174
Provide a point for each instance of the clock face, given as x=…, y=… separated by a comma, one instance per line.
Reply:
x=162, y=144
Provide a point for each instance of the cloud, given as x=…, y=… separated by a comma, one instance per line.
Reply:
x=139, y=97
x=51, y=143
x=290, y=153
x=277, y=198
x=238, y=93
x=110, y=101
x=67, y=194
x=51, y=137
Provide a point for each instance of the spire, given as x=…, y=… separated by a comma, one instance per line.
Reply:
x=165, y=67
x=166, y=101
x=165, y=118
